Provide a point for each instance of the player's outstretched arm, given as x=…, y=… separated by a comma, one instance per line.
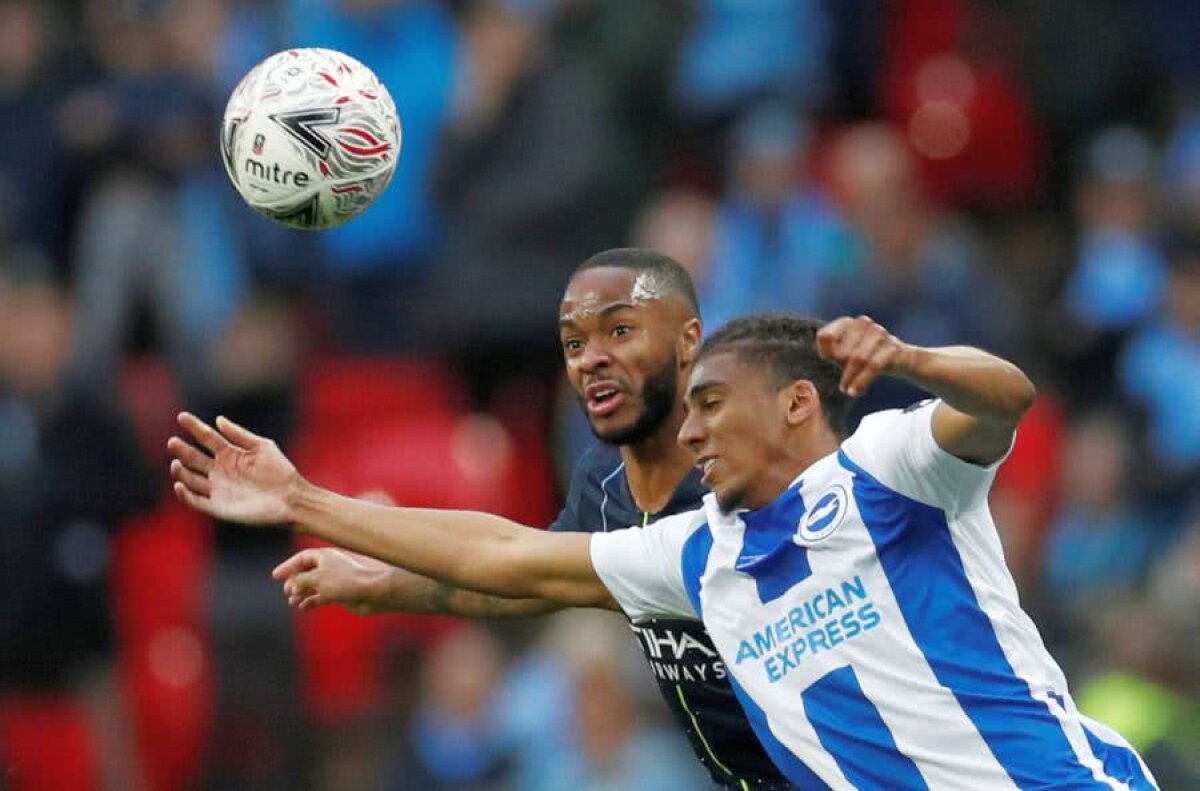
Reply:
x=328, y=575
x=242, y=477
x=983, y=396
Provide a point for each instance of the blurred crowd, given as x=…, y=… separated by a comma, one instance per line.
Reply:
x=1018, y=175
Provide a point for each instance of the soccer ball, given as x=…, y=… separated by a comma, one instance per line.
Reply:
x=310, y=138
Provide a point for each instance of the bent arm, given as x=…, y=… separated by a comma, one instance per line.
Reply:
x=983, y=399
x=476, y=551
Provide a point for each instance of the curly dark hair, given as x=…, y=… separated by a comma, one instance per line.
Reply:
x=787, y=345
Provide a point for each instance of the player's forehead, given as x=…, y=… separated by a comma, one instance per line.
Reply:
x=604, y=290
x=724, y=369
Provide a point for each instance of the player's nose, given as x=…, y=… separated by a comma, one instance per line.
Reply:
x=691, y=433
x=593, y=357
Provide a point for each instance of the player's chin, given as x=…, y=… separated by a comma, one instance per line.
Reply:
x=729, y=498
x=612, y=435
x=615, y=429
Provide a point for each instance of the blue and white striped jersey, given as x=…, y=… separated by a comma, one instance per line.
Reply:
x=871, y=627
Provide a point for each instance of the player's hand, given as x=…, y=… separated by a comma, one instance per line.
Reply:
x=234, y=475
x=315, y=577
x=864, y=350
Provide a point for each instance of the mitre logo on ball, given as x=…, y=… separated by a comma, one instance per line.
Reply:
x=310, y=138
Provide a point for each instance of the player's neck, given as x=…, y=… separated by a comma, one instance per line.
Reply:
x=656, y=466
x=793, y=460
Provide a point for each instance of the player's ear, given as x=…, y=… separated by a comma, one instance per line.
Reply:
x=689, y=342
x=801, y=402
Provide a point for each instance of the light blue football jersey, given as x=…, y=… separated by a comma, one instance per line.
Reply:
x=871, y=627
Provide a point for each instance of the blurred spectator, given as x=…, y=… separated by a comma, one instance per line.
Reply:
x=1140, y=691
x=71, y=473
x=629, y=47
x=739, y=53
x=779, y=241
x=1118, y=279
x=1085, y=65
x=526, y=177
x=1160, y=369
x=457, y=742
x=156, y=232
x=679, y=223
x=1100, y=541
x=614, y=749
x=1175, y=591
x=72, y=470
x=377, y=266
x=32, y=159
x=1180, y=168
x=587, y=717
x=923, y=277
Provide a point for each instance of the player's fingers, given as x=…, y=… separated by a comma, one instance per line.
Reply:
x=306, y=584
x=207, y=436
x=829, y=336
x=239, y=435
x=858, y=354
x=303, y=560
x=191, y=499
x=191, y=456
x=845, y=346
x=200, y=484
x=878, y=353
x=311, y=602
x=855, y=351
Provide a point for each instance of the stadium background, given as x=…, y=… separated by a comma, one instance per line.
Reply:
x=1016, y=174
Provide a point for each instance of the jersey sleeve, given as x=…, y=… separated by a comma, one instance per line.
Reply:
x=642, y=567
x=897, y=448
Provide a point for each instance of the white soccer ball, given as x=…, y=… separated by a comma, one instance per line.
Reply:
x=310, y=138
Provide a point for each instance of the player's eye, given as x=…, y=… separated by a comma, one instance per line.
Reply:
x=622, y=330
x=571, y=345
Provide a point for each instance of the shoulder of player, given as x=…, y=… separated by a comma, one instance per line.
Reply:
x=595, y=465
x=684, y=523
x=887, y=424
x=591, y=480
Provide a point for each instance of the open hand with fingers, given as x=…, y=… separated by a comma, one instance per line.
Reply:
x=864, y=350
x=234, y=474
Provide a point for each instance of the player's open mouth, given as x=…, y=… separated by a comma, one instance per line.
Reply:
x=603, y=399
x=706, y=465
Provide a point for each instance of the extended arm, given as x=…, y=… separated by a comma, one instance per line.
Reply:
x=478, y=551
x=246, y=478
x=328, y=575
x=983, y=396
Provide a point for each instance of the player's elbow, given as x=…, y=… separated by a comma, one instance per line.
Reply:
x=1021, y=396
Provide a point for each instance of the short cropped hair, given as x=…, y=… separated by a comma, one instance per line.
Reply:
x=786, y=344
x=663, y=268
